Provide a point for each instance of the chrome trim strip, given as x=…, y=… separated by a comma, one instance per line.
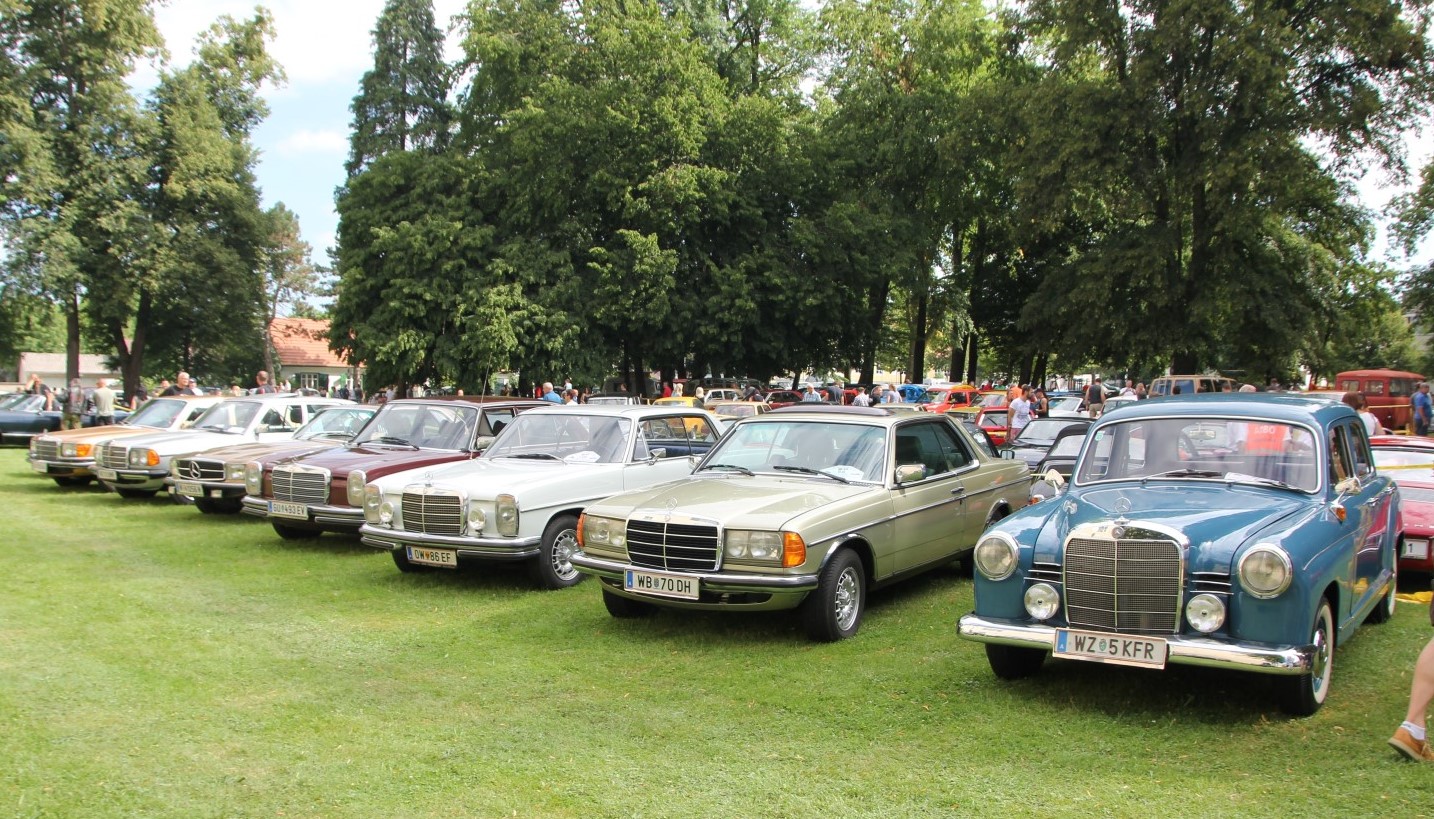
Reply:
x=716, y=581
x=1202, y=651
x=390, y=539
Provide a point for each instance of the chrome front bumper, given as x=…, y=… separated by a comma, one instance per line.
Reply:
x=486, y=548
x=346, y=517
x=738, y=582
x=1204, y=651
x=63, y=467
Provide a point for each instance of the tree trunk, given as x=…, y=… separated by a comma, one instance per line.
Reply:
x=916, y=369
x=973, y=355
x=72, y=337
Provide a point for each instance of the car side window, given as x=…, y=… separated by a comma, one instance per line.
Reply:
x=698, y=429
x=497, y=419
x=1358, y=444
x=931, y=445
x=194, y=415
x=272, y=420
x=1341, y=463
x=953, y=449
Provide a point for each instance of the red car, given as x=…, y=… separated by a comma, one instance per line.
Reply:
x=1410, y=462
x=783, y=398
x=323, y=491
x=996, y=423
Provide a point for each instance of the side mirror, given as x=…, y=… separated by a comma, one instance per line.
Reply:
x=909, y=473
x=1007, y=454
x=1348, y=486
x=656, y=453
x=483, y=442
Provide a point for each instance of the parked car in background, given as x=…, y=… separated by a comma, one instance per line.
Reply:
x=520, y=502
x=1246, y=531
x=1387, y=392
x=68, y=456
x=777, y=399
x=996, y=423
x=1060, y=459
x=1188, y=385
x=737, y=409
x=615, y=400
x=1409, y=460
x=323, y=491
x=1037, y=437
x=805, y=507
x=946, y=399
x=25, y=418
x=214, y=479
x=136, y=467
x=1067, y=406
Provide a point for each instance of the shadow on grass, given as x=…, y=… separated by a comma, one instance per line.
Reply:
x=473, y=576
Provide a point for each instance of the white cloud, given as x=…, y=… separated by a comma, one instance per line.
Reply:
x=307, y=141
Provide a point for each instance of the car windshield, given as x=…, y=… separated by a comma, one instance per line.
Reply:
x=736, y=410
x=1232, y=449
x=1066, y=404
x=994, y=420
x=158, y=412
x=1067, y=447
x=1042, y=431
x=853, y=452
x=994, y=400
x=1406, y=465
x=228, y=415
x=426, y=426
x=338, y=423
x=11, y=400
x=603, y=439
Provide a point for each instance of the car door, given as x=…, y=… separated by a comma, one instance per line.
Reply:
x=670, y=439
x=274, y=423
x=1366, y=511
x=929, y=511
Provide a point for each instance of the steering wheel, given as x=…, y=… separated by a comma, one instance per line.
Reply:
x=1185, y=449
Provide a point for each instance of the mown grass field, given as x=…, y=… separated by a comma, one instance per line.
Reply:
x=158, y=662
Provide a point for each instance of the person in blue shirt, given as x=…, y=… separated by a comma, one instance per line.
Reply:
x=1423, y=409
x=549, y=394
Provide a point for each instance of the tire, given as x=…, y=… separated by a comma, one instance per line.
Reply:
x=400, y=559
x=1303, y=695
x=135, y=494
x=1385, y=608
x=288, y=532
x=833, y=611
x=1014, y=662
x=218, y=506
x=625, y=608
x=80, y=481
x=553, y=567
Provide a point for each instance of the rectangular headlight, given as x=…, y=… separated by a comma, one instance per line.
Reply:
x=753, y=545
x=234, y=473
x=603, y=533
x=507, y=513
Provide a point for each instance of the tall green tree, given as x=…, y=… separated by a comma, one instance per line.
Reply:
x=287, y=271
x=1184, y=134
x=402, y=104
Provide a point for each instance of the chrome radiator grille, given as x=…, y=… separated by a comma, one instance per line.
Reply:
x=674, y=546
x=47, y=450
x=300, y=484
x=432, y=511
x=190, y=469
x=112, y=456
x=1129, y=584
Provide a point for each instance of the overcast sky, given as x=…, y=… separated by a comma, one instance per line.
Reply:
x=325, y=47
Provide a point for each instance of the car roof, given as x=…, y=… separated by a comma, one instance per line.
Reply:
x=622, y=410
x=1291, y=407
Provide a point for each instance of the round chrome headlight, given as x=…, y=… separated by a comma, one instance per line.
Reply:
x=385, y=513
x=476, y=517
x=996, y=557
x=1265, y=571
x=1042, y=601
x=1205, y=613
x=355, y=487
x=253, y=479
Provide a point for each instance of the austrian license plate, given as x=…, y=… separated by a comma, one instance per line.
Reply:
x=666, y=585
x=38, y=466
x=191, y=488
x=283, y=509
x=1416, y=549
x=106, y=474
x=1118, y=649
x=447, y=558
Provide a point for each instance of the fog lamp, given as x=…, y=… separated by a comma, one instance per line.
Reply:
x=1205, y=613
x=1042, y=601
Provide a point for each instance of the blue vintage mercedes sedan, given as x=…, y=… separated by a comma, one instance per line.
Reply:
x=1241, y=531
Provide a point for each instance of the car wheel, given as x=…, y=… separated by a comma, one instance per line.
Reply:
x=288, y=532
x=1014, y=662
x=72, y=481
x=218, y=506
x=400, y=559
x=626, y=608
x=833, y=611
x=1305, y=693
x=135, y=494
x=1384, y=609
x=553, y=567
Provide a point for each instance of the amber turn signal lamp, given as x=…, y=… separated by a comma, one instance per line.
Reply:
x=581, y=520
x=794, y=550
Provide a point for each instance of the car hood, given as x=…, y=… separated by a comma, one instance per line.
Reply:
x=184, y=441
x=732, y=499
x=1416, y=515
x=268, y=450
x=377, y=461
x=96, y=434
x=1216, y=519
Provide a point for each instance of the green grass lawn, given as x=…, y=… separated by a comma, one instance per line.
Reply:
x=159, y=662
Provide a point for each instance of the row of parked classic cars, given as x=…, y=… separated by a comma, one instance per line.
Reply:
x=1247, y=532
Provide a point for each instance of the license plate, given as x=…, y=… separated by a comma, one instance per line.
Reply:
x=106, y=474
x=1118, y=649
x=282, y=509
x=665, y=585
x=446, y=558
x=190, y=488
x=38, y=466
x=1417, y=549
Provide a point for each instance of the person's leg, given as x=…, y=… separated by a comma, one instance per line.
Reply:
x=1410, y=738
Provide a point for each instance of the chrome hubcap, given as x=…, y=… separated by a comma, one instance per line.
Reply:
x=1320, y=665
x=563, y=546
x=848, y=598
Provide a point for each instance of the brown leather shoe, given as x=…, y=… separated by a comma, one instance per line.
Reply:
x=1415, y=749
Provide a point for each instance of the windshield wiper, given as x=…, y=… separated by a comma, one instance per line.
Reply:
x=1240, y=477
x=1184, y=473
x=744, y=470
x=537, y=456
x=809, y=471
x=389, y=439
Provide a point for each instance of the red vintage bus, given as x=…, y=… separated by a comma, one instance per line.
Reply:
x=1387, y=393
